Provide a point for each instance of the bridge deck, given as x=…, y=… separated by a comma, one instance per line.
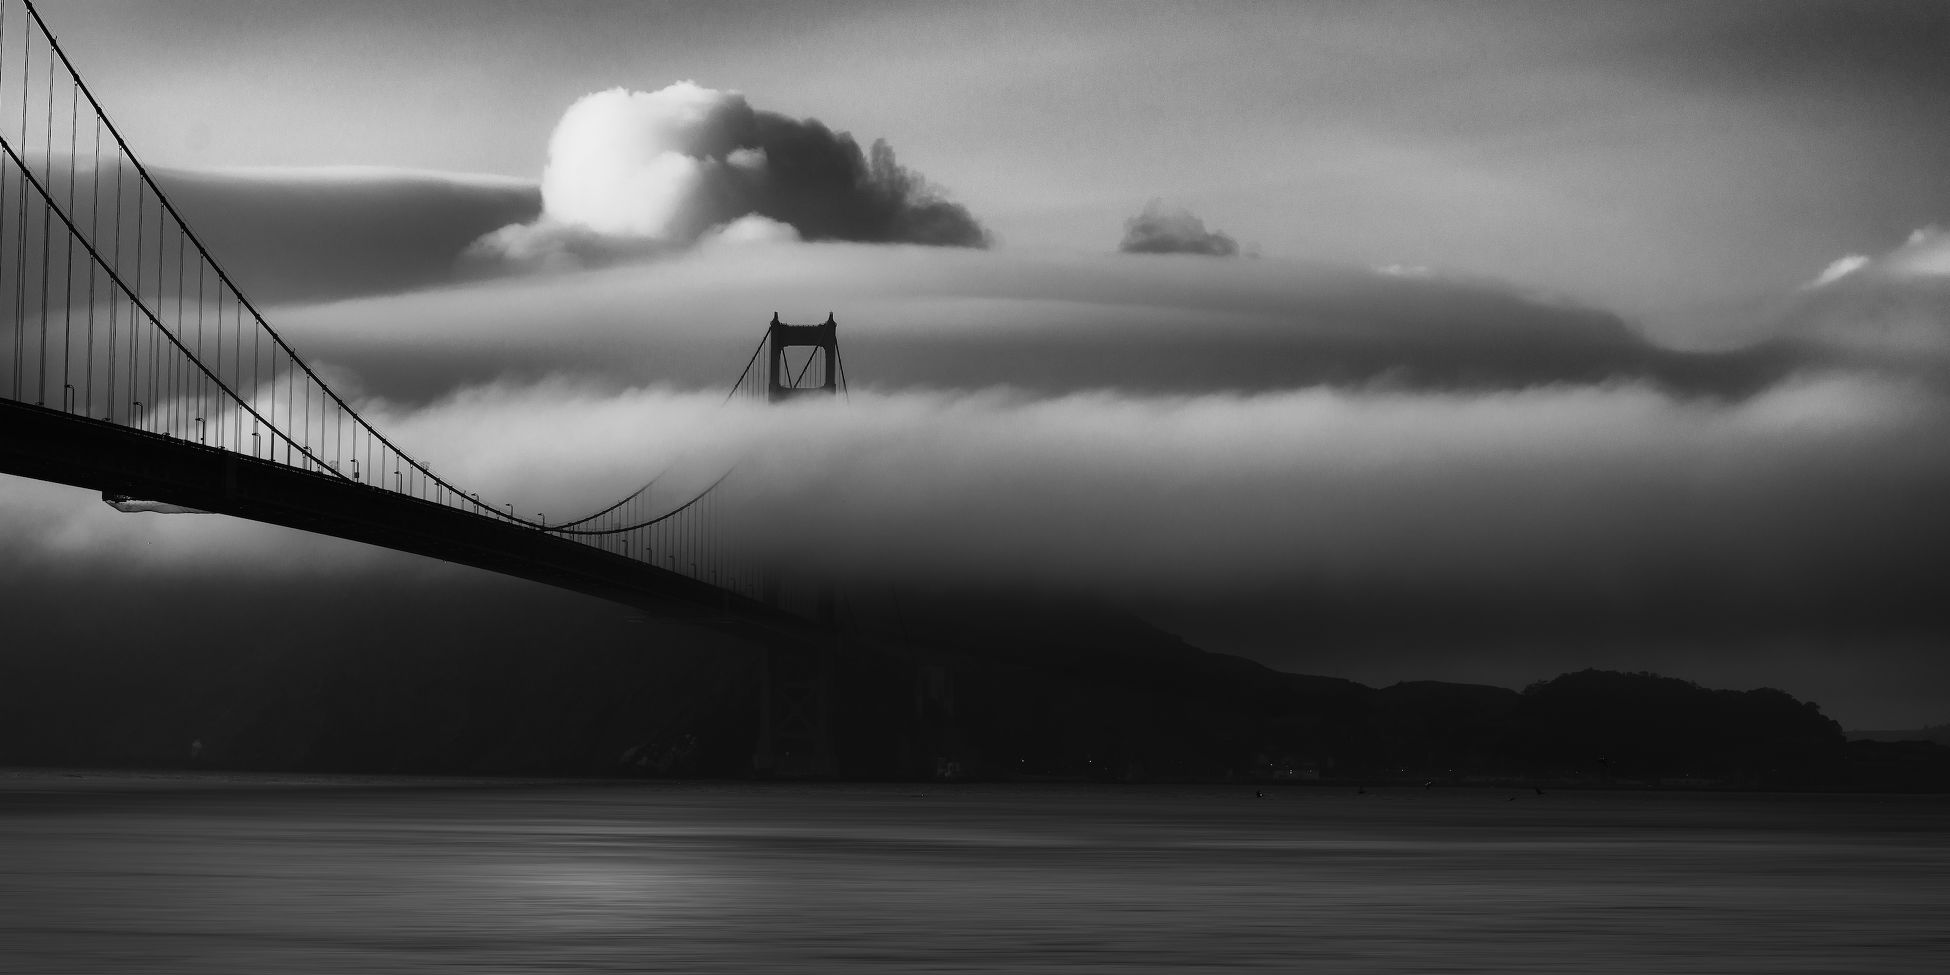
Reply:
x=51, y=445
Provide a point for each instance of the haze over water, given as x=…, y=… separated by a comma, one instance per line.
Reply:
x=102, y=873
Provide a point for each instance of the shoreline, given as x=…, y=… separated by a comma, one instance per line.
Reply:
x=21, y=780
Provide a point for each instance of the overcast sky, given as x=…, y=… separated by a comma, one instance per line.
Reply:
x=1662, y=159
x=1504, y=338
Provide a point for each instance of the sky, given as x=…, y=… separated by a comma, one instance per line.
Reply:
x=1470, y=341
x=1656, y=158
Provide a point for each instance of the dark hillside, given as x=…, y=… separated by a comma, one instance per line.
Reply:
x=980, y=688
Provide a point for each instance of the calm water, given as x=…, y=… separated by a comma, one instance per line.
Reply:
x=129, y=874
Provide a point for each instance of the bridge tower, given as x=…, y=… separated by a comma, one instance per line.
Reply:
x=782, y=382
x=795, y=681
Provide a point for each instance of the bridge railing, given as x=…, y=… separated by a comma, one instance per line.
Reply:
x=112, y=309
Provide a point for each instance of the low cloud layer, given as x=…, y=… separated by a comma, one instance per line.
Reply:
x=1173, y=230
x=632, y=171
x=1609, y=500
x=945, y=318
x=1416, y=520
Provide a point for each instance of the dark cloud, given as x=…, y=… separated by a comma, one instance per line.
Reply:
x=1161, y=230
x=294, y=237
x=281, y=235
x=819, y=183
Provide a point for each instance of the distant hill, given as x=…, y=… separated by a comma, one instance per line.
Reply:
x=1647, y=726
x=1939, y=734
x=981, y=687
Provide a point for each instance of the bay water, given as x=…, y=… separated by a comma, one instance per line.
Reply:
x=119, y=873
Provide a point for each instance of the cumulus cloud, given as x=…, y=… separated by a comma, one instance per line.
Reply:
x=630, y=170
x=1174, y=230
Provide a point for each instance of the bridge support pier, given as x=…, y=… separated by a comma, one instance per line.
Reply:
x=794, y=708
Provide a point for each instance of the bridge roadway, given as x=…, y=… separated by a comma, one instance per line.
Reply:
x=53, y=445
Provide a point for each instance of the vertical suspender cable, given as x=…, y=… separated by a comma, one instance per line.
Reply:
x=179, y=386
x=202, y=409
x=94, y=230
x=47, y=237
x=135, y=333
x=67, y=266
x=116, y=305
x=20, y=220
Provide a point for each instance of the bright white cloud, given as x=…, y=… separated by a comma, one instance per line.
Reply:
x=753, y=229
x=1842, y=267
x=631, y=163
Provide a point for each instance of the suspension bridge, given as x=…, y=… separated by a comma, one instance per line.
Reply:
x=134, y=365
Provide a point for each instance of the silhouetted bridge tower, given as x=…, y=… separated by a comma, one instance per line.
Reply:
x=818, y=375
